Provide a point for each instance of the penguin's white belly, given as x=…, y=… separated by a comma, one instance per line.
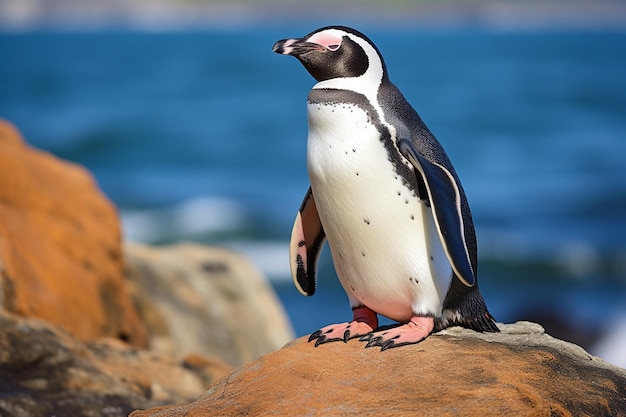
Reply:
x=383, y=239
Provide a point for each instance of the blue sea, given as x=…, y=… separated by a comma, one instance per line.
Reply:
x=201, y=135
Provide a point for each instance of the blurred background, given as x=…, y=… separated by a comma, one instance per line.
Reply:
x=197, y=131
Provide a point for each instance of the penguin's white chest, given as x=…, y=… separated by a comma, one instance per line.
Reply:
x=383, y=239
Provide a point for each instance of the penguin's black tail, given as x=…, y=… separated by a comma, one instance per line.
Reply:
x=464, y=306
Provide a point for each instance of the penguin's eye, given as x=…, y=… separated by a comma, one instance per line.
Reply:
x=333, y=47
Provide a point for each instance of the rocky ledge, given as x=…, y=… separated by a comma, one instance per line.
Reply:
x=45, y=371
x=521, y=372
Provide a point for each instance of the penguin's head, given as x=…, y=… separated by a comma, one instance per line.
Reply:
x=335, y=52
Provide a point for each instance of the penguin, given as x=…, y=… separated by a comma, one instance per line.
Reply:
x=386, y=198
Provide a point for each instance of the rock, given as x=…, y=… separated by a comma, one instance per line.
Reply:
x=521, y=371
x=44, y=371
x=60, y=246
x=206, y=300
x=62, y=261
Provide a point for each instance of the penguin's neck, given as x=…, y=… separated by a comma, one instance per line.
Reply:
x=366, y=85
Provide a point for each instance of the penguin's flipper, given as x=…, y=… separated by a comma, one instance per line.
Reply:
x=444, y=195
x=307, y=239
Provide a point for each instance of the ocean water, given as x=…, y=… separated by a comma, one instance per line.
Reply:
x=201, y=135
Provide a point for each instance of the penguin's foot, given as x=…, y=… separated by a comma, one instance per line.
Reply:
x=364, y=321
x=412, y=332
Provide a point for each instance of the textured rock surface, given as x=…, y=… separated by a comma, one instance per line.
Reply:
x=520, y=372
x=61, y=260
x=206, y=300
x=44, y=371
x=60, y=247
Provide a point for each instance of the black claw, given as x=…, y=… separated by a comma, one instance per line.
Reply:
x=375, y=341
x=320, y=340
x=360, y=336
x=315, y=335
x=366, y=337
x=346, y=336
x=387, y=345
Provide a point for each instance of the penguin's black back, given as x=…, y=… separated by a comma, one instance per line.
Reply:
x=466, y=302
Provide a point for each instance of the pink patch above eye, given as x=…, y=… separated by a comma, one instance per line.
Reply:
x=329, y=40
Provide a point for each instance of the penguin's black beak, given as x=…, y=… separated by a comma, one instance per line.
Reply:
x=295, y=47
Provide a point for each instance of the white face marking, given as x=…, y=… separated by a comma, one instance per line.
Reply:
x=366, y=84
x=329, y=39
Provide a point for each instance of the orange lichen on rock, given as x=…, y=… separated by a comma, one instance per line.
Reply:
x=519, y=372
x=60, y=246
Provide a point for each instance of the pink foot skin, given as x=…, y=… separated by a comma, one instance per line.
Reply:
x=412, y=332
x=364, y=321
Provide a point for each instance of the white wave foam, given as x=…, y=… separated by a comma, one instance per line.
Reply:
x=611, y=346
x=271, y=257
x=578, y=258
x=202, y=215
